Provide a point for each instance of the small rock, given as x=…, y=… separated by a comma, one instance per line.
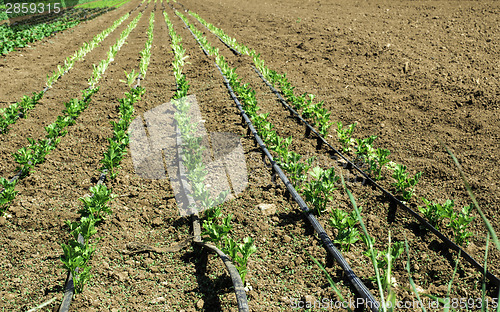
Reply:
x=156, y=221
x=299, y=261
x=141, y=276
x=9, y=296
x=287, y=239
x=2, y=220
x=105, y=265
x=200, y=303
x=308, y=299
x=122, y=276
x=158, y=300
x=267, y=209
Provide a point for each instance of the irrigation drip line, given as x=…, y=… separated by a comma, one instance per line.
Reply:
x=361, y=289
x=239, y=289
x=349, y=164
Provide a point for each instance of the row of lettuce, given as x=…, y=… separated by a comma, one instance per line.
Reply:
x=30, y=156
x=9, y=115
x=216, y=227
x=78, y=251
x=372, y=160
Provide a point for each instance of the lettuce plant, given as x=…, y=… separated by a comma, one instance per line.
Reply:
x=344, y=136
x=76, y=260
x=345, y=224
x=7, y=195
x=96, y=205
x=318, y=191
x=404, y=184
x=460, y=223
x=435, y=212
x=240, y=253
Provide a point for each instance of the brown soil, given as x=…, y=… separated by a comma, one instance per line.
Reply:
x=406, y=71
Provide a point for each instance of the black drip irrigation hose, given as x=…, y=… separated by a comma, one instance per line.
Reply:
x=361, y=289
x=349, y=164
x=239, y=289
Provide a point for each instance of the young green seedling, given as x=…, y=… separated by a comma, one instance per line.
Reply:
x=404, y=185
x=345, y=136
x=75, y=259
x=435, y=212
x=318, y=191
x=7, y=195
x=385, y=260
x=460, y=222
x=345, y=224
x=130, y=77
x=96, y=205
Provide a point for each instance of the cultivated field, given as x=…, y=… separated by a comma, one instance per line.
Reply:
x=411, y=73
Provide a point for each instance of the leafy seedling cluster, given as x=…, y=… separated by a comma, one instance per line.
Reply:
x=118, y=143
x=345, y=223
x=146, y=52
x=79, y=250
x=404, y=184
x=179, y=60
x=458, y=222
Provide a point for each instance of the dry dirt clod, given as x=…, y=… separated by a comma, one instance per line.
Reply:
x=158, y=300
x=200, y=303
x=267, y=209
